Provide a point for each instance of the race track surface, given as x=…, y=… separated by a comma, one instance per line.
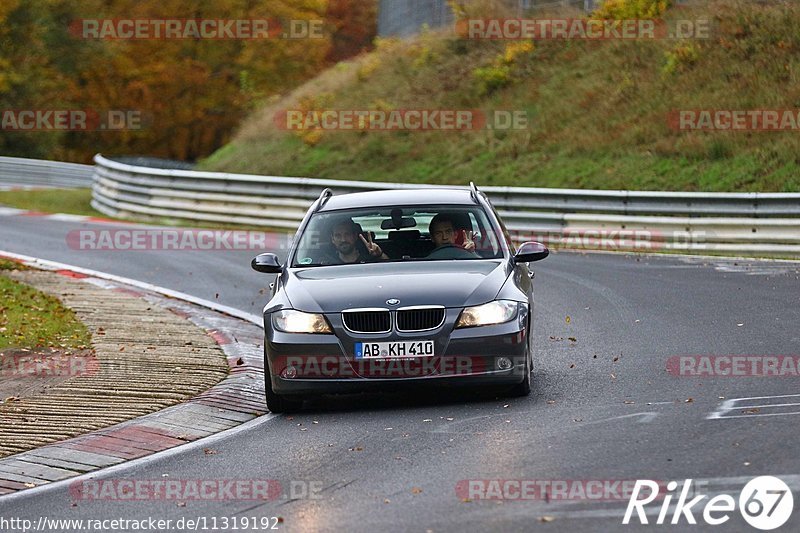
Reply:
x=604, y=406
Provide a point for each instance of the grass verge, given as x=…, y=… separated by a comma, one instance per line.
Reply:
x=598, y=112
x=32, y=319
x=72, y=201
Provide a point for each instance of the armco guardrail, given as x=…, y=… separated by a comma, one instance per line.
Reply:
x=766, y=224
x=19, y=172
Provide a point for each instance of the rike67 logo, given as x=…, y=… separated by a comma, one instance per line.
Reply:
x=765, y=503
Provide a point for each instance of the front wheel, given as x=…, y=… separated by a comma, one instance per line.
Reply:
x=278, y=403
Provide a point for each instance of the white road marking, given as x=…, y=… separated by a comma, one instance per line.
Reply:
x=644, y=418
x=733, y=404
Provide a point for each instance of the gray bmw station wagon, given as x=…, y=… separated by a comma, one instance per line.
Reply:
x=398, y=288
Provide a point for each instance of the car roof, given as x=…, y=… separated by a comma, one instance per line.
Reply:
x=405, y=197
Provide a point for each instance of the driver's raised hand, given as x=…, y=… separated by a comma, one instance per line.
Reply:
x=469, y=240
x=373, y=248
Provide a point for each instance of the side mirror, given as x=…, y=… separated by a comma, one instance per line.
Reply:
x=529, y=252
x=266, y=263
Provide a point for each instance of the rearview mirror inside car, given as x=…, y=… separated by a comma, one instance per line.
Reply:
x=529, y=252
x=266, y=263
x=404, y=222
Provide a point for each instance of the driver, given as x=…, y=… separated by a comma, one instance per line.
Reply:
x=344, y=237
x=443, y=233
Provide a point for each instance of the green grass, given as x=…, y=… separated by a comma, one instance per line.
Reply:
x=72, y=201
x=32, y=319
x=597, y=111
x=7, y=264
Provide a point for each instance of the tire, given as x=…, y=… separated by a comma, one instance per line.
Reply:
x=278, y=403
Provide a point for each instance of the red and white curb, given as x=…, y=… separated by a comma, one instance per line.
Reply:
x=236, y=400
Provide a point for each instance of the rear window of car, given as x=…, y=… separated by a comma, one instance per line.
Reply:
x=402, y=233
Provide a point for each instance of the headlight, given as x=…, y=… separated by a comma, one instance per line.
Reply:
x=495, y=312
x=291, y=321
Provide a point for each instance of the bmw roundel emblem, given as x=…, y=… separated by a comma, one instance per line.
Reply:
x=392, y=301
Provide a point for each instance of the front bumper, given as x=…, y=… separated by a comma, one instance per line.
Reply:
x=306, y=364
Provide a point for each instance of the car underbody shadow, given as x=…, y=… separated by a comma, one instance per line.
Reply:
x=412, y=397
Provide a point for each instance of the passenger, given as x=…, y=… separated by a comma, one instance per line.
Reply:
x=344, y=238
x=443, y=233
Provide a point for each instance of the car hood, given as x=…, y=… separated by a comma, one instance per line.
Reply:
x=448, y=283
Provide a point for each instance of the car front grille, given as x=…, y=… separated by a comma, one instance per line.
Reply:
x=377, y=321
x=419, y=318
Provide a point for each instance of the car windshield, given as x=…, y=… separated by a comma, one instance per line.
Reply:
x=418, y=233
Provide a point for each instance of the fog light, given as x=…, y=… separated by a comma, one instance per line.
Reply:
x=504, y=363
x=289, y=372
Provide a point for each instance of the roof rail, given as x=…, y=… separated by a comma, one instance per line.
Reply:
x=473, y=191
x=323, y=197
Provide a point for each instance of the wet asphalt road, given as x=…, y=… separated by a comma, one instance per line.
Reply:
x=604, y=406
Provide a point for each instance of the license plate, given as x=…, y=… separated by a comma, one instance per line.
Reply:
x=386, y=350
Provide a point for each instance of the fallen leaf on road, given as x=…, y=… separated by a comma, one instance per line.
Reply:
x=568, y=319
x=209, y=451
x=573, y=339
x=546, y=519
x=688, y=400
x=416, y=490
